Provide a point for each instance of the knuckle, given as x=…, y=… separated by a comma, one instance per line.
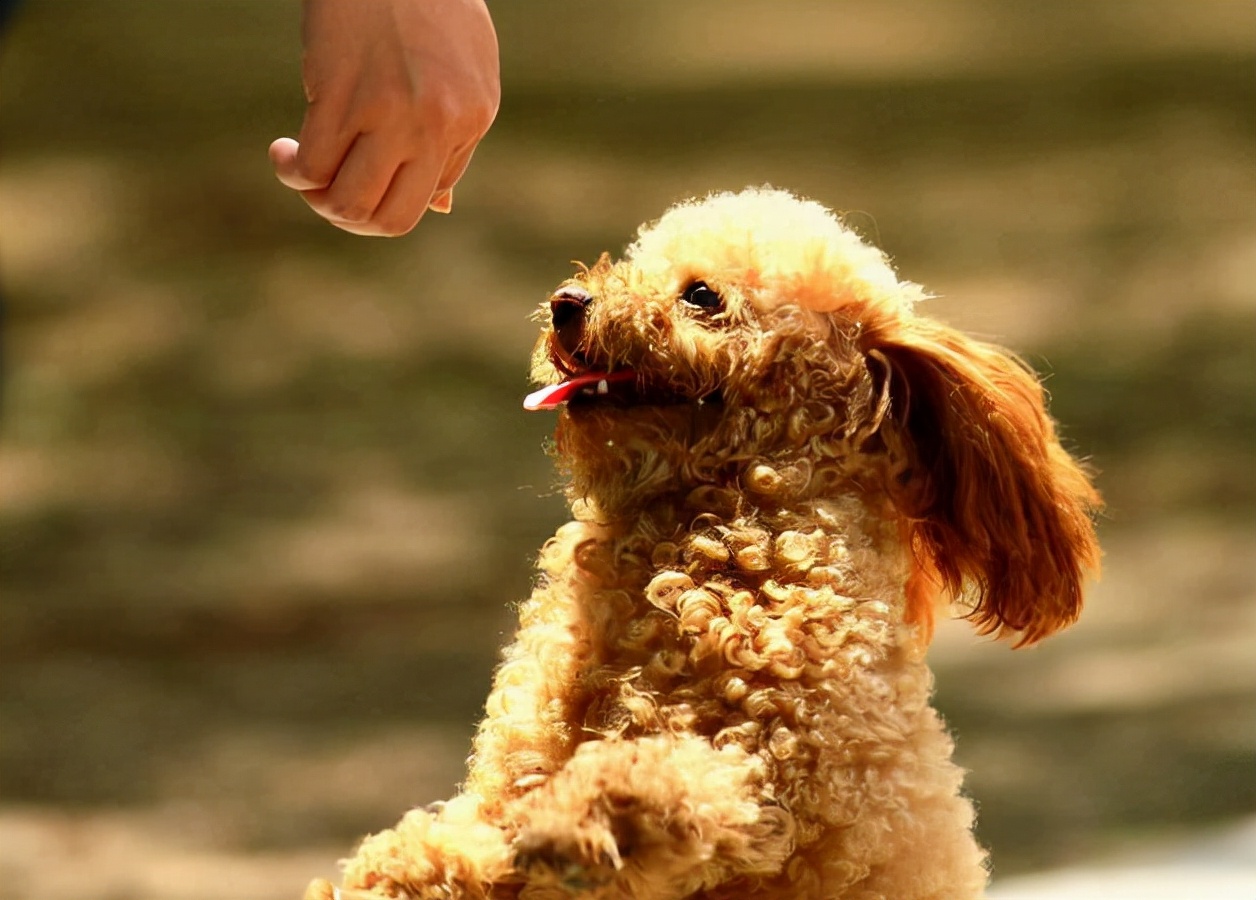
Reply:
x=442, y=107
x=487, y=111
x=348, y=211
x=456, y=113
x=312, y=171
x=482, y=117
x=396, y=226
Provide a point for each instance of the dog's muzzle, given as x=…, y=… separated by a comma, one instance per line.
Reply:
x=568, y=309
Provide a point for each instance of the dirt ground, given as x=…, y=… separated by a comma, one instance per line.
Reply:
x=267, y=492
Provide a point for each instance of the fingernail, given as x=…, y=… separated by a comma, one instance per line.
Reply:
x=442, y=202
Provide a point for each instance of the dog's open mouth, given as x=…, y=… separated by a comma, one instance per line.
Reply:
x=621, y=384
x=620, y=388
x=623, y=387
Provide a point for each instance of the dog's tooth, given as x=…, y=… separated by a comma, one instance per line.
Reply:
x=603, y=387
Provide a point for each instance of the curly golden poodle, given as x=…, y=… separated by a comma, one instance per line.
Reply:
x=718, y=689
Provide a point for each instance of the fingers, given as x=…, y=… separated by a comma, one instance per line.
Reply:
x=454, y=168
x=313, y=160
x=307, y=165
x=405, y=202
x=367, y=187
x=359, y=184
x=443, y=202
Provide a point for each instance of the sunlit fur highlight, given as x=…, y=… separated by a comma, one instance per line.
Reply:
x=718, y=686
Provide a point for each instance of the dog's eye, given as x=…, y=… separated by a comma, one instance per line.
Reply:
x=700, y=295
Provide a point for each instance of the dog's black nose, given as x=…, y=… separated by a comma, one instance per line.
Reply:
x=567, y=308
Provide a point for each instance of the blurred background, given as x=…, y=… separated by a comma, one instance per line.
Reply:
x=267, y=492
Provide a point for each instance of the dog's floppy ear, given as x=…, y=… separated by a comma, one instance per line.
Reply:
x=991, y=499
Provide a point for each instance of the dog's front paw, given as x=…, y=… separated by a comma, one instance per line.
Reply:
x=322, y=889
x=577, y=861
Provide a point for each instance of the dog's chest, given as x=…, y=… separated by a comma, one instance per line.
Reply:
x=699, y=628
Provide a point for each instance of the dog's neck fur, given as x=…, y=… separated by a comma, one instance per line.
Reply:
x=756, y=525
x=641, y=462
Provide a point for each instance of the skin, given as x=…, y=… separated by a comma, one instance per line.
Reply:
x=399, y=94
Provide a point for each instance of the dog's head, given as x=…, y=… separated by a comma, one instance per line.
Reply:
x=752, y=341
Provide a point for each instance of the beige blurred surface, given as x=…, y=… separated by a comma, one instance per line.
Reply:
x=266, y=491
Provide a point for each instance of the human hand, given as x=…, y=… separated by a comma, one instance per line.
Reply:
x=399, y=93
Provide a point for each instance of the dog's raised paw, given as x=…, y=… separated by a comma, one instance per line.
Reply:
x=576, y=863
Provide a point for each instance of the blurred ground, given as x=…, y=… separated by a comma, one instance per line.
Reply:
x=1214, y=864
x=266, y=490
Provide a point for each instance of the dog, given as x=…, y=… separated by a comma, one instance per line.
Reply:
x=777, y=468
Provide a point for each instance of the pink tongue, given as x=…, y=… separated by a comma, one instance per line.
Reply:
x=550, y=397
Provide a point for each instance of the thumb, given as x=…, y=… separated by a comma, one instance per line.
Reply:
x=283, y=156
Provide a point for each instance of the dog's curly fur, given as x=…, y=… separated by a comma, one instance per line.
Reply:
x=718, y=687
